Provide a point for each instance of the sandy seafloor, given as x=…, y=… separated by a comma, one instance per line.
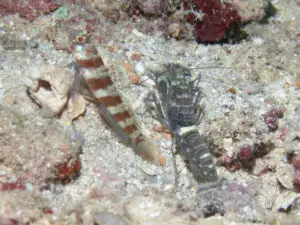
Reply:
x=262, y=69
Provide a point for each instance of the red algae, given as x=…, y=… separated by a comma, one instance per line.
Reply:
x=66, y=170
x=217, y=18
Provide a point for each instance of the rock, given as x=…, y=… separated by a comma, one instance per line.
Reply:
x=35, y=150
x=232, y=201
x=50, y=86
x=21, y=207
x=174, y=30
x=157, y=208
x=289, y=220
x=107, y=218
x=286, y=200
x=28, y=9
x=251, y=10
x=150, y=7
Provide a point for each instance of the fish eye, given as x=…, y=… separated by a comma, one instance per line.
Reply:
x=80, y=39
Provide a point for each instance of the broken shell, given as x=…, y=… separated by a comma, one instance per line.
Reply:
x=50, y=86
x=285, y=175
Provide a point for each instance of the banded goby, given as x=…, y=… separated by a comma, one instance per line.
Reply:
x=97, y=78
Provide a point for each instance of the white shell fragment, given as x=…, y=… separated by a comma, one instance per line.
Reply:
x=50, y=86
x=284, y=173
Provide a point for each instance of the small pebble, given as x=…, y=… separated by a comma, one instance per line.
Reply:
x=174, y=30
x=138, y=33
x=257, y=41
x=139, y=68
x=169, y=187
x=28, y=187
x=227, y=145
x=107, y=218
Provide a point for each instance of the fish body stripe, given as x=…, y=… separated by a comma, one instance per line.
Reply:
x=130, y=129
x=107, y=95
x=90, y=63
x=121, y=116
x=99, y=83
x=110, y=100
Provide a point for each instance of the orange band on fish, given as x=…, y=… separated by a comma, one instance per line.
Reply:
x=110, y=100
x=99, y=83
x=90, y=63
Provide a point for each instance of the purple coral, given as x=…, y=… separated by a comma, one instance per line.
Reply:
x=246, y=156
x=218, y=18
x=271, y=118
x=245, y=153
